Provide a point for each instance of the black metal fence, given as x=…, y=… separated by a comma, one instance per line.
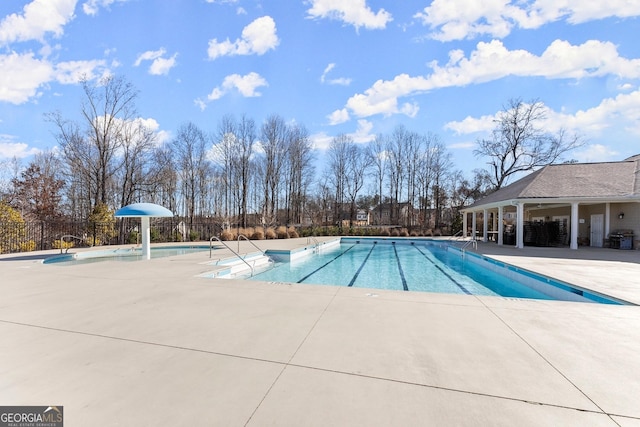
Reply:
x=33, y=236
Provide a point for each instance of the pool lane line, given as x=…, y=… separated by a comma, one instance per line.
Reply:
x=355, y=276
x=460, y=285
x=324, y=265
x=404, y=281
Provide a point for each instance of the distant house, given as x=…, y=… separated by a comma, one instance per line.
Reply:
x=405, y=214
x=594, y=204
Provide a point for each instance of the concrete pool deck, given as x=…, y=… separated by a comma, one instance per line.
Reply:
x=149, y=343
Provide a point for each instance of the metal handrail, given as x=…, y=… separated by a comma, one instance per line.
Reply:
x=472, y=242
x=80, y=239
x=227, y=246
x=458, y=234
x=316, y=245
x=247, y=239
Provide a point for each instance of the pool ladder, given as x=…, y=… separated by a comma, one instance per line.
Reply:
x=232, y=251
x=72, y=237
x=472, y=242
x=240, y=257
x=316, y=244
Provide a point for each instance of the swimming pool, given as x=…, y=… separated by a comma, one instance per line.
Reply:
x=420, y=266
x=121, y=254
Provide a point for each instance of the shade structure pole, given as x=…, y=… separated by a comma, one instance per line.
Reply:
x=146, y=238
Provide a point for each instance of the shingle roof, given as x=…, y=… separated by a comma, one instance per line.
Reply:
x=572, y=180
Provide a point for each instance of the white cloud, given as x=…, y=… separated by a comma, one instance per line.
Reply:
x=91, y=7
x=352, y=12
x=620, y=114
x=159, y=65
x=36, y=20
x=71, y=72
x=463, y=19
x=257, y=38
x=342, y=81
x=247, y=85
x=338, y=116
x=467, y=145
x=595, y=153
x=23, y=75
x=625, y=87
x=472, y=125
x=492, y=61
x=320, y=141
x=363, y=132
x=20, y=150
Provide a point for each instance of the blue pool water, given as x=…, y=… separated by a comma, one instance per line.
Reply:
x=416, y=266
x=121, y=254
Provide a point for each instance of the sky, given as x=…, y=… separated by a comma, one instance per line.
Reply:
x=356, y=67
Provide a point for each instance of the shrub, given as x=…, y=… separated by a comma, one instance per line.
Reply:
x=270, y=233
x=246, y=232
x=132, y=239
x=227, y=235
x=28, y=246
x=414, y=233
x=103, y=223
x=12, y=230
x=91, y=241
x=193, y=236
x=281, y=232
x=292, y=233
x=59, y=244
x=404, y=232
x=395, y=233
x=154, y=235
x=437, y=232
x=257, y=235
x=384, y=232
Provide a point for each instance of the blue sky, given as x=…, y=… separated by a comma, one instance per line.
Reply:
x=359, y=67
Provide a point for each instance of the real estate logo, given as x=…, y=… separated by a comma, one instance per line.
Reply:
x=31, y=416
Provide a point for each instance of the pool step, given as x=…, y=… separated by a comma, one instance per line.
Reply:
x=227, y=268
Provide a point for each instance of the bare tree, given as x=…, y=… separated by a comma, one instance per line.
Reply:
x=246, y=138
x=273, y=143
x=299, y=171
x=338, y=155
x=397, y=147
x=189, y=148
x=377, y=152
x=137, y=168
x=519, y=143
x=91, y=149
x=38, y=189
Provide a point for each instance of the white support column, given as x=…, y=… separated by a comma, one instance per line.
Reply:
x=574, y=226
x=146, y=238
x=464, y=224
x=500, y=225
x=607, y=220
x=485, y=225
x=473, y=225
x=520, y=226
x=494, y=223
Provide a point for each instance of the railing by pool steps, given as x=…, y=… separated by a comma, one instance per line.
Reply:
x=227, y=246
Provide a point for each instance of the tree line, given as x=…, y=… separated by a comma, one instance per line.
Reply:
x=246, y=174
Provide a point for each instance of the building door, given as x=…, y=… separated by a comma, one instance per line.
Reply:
x=597, y=230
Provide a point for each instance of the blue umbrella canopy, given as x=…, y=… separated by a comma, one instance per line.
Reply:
x=142, y=210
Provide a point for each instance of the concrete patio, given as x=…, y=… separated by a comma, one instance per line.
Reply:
x=149, y=343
